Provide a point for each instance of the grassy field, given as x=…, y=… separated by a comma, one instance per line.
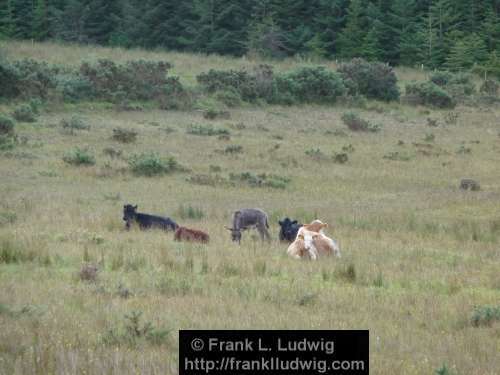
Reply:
x=419, y=254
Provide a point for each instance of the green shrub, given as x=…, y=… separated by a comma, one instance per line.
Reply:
x=206, y=130
x=7, y=142
x=441, y=77
x=308, y=85
x=233, y=149
x=74, y=123
x=73, y=87
x=24, y=113
x=10, y=78
x=35, y=78
x=79, y=156
x=237, y=81
x=124, y=135
x=151, y=164
x=372, y=79
x=428, y=93
x=213, y=113
x=229, y=97
x=6, y=125
x=485, y=315
x=134, y=80
x=340, y=158
x=355, y=123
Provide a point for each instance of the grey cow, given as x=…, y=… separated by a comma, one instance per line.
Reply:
x=247, y=218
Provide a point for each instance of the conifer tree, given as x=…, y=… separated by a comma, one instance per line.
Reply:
x=351, y=38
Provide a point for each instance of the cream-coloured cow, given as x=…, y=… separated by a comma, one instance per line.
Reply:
x=312, y=243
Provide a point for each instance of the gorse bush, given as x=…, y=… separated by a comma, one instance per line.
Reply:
x=151, y=164
x=79, y=156
x=24, y=113
x=74, y=123
x=124, y=135
x=371, y=79
x=428, y=93
x=135, y=80
x=236, y=81
x=6, y=125
x=355, y=123
x=485, y=315
x=308, y=85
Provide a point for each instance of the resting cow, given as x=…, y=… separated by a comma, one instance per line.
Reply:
x=191, y=235
x=247, y=218
x=312, y=243
x=289, y=229
x=146, y=221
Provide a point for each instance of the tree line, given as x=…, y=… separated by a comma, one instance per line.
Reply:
x=451, y=34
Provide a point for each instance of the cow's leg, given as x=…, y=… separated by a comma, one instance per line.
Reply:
x=264, y=234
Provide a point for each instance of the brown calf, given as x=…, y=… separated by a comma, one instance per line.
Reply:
x=191, y=235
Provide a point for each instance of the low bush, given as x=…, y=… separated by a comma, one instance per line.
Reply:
x=24, y=113
x=236, y=81
x=355, y=123
x=74, y=123
x=340, y=157
x=206, y=130
x=213, y=113
x=372, y=79
x=428, y=93
x=6, y=125
x=485, y=315
x=134, y=80
x=79, y=156
x=233, y=149
x=308, y=85
x=229, y=97
x=124, y=135
x=151, y=164
x=73, y=87
x=134, y=332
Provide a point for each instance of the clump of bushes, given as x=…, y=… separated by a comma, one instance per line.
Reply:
x=213, y=113
x=74, y=123
x=308, y=85
x=428, y=93
x=24, y=113
x=151, y=164
x=355, y=123
x=260, y=180
x=79, y=156
x=233, y=149
x=124, y=135
x=6, y=125
x=372, y=79
x=206, y=130
x=134, y=80
x=485, y=315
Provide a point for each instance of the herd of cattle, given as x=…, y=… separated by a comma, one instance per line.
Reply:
x=307, y=241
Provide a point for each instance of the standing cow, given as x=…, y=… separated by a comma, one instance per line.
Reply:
x=247, y=218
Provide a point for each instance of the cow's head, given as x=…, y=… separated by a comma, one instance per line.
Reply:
x=129, y=212
x=316, y=226
x=235, y=234
x=288, y=229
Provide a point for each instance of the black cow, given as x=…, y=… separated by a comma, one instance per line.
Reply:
x=289, y=229
x=145, y=221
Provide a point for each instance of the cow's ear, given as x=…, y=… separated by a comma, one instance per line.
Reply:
x=228, y=228
x=294, y=222
x=280, y=222
x=135, y=207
